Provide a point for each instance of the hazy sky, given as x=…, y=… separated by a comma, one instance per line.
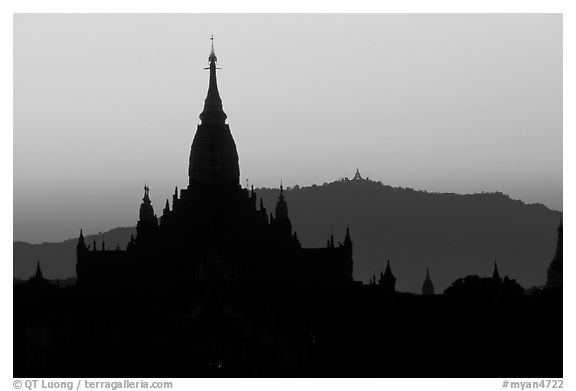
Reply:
x=449, y=103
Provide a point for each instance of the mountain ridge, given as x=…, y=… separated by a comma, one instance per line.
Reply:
x=451, y=234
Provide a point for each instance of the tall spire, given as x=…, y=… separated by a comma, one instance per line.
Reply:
x=213, y=112
x=213, y=155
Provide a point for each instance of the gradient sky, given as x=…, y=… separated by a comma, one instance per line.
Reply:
x=449, y=103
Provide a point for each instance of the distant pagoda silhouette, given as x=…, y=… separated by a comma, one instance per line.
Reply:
x=213, y=233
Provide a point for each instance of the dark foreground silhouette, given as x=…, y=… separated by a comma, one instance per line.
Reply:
x=275, y=330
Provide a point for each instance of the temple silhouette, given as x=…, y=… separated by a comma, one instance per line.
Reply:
x=218, y=286
x=215, y=232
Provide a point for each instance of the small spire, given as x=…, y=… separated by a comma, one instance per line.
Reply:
x=427, y=287
x=175, y=198
x=388, y=271
x=347, y=240
x=81, y=243
x=495, y=274
x=331, y=240
x=146, y=208
x=38, y=271
x=167, y=207
x=281, y=197
x=146, y=193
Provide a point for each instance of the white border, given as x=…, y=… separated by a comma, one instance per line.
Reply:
x=246, y=6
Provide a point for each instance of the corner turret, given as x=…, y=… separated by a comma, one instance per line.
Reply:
x=554, y=274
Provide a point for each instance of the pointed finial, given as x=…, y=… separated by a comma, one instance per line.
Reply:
x=281, y=196
x=212, y=57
